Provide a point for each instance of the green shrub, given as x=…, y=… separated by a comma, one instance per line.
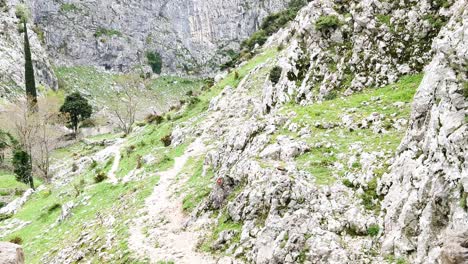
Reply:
x=259, y=37
x=348, y=183
x=5, y=216
x=275, y=74
x=107, y=32
x=100, y=177
x=93, y=165
x=167, y=140
x=330, y=96
x=327, y=22
x=16, y=240
x=154, y=119
x=373, y=230
x=54, y=207
x=155, y=61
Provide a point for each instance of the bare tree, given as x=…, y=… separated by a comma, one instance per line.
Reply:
x=38, y=133
x=126, y=101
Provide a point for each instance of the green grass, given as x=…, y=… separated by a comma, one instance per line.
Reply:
x=97, y=85
x=198, y=186
x=224, y=223
x=107, y=32
x=319, y=160
x=8, y=180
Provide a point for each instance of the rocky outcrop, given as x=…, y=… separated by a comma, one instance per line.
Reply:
x=349, y=45
x=193, y=37
x=11, y=253
x=12, y=55
x=427, y=188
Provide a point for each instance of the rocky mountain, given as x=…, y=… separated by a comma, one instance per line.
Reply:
x=192, y=37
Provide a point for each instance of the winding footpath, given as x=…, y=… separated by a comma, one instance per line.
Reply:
x=158, y=234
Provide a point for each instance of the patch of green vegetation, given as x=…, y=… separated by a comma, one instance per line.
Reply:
x=384, y=19
x=68, y=7
x=394, y=260
x=43, y=208
x=373, y=230
x=155, y=61
x=97, y=85
x=9, y=186
x=275, y=74
x=224, y=223
x=8, y=181
x=465, y=89
x=435, y=21
x=327, y=22
x=107, y=32
x=271, y=24
x=329, y=142
x=198, y=186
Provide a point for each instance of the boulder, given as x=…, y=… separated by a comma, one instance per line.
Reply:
x=11, y=253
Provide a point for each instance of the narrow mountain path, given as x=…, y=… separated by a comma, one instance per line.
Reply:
x=158, y=234
x=115, y=165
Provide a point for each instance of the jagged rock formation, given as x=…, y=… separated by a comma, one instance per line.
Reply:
x=11, y=253
x=191, y=36
x=12, y=54
x=427, y=188
x=349, y=45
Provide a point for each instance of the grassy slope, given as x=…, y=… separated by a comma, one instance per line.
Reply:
x=44, y=237
x=97, y=84
x=319, y=160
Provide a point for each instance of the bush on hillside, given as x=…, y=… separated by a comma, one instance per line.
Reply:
x=100, y=177
x=259, y=37
x=373, y=230
x=327, y=22
x=16, y=240
x=154, y=119
x=275, y=74
x=54, y=207
x=167, y=140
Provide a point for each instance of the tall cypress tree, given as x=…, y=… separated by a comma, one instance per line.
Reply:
x=31, y=92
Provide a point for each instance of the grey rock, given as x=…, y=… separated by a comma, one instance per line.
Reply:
x=11, y=253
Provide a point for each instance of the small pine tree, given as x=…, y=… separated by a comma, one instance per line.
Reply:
x=22, y=167
x=77, y=109
x=31, y=93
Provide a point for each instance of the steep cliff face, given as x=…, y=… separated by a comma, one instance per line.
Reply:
x=12, y=54
x=426, y=190
x=191, y=36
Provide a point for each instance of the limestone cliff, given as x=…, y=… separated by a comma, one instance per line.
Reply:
x=191, y=36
